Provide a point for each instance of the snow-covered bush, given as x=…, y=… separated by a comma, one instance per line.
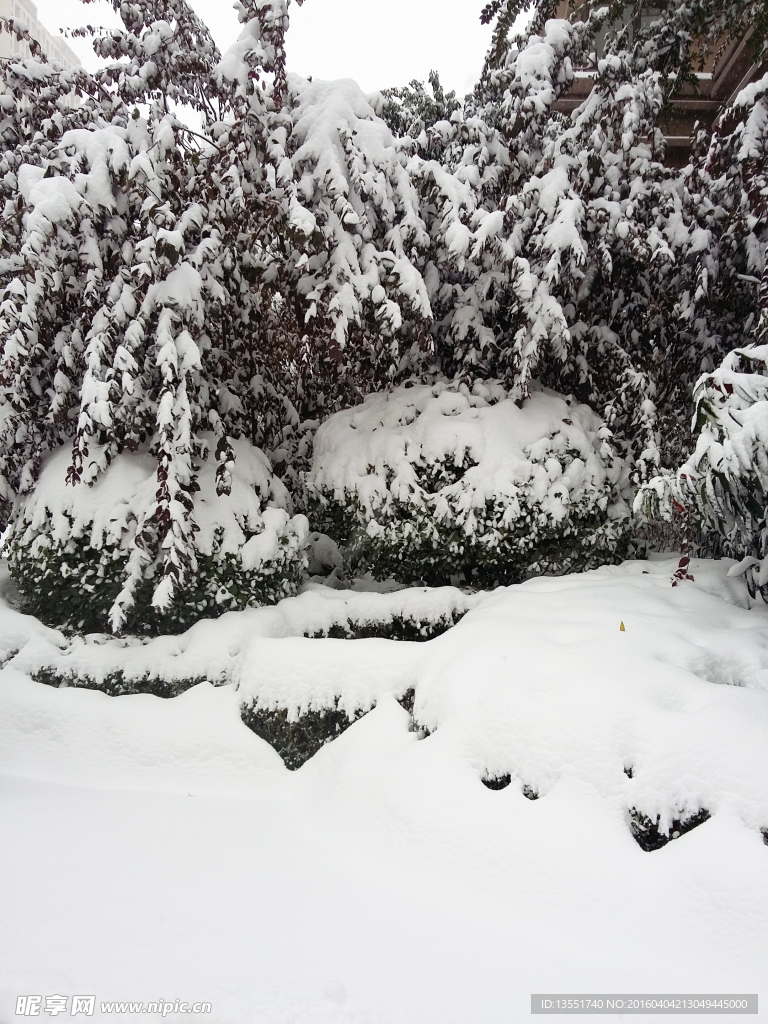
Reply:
x=287, y=255
x=429, y=482
x=162, y=282
x=212, y=649
x=73, y=550
x=722, y=487
x=547, y=249
x=297, y=739
x=563, y=247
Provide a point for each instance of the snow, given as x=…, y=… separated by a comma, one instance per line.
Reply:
x=157, y=848
x=346, y=164
x=108, y=509
x=728, y=466
x=372, y=451
x=51, y=198
x=250, y=49
x=747, y=96
x=216, y=650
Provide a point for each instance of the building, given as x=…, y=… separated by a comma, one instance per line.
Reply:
x=716, y=85
x=54, y=45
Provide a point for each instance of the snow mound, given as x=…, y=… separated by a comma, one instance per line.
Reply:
x=436, y=480
x=216, y=650
x=537, y=681
x=667, y=716
x=72, y=547
x=177, y=805
x=106, y=512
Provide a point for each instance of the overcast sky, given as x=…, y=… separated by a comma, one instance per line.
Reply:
x=376, y=42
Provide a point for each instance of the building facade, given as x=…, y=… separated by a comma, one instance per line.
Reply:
x=716, y=85
x=54, y=45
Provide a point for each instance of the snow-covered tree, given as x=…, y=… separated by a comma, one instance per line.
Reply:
x=357, y=216
x=562, y=246
x=413, y=109
x=124, y=255
x=173, y=291
x=539, y=223
x=161, y=282
x=723, y=485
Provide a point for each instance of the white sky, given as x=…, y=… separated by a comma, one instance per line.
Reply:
x=377, y=42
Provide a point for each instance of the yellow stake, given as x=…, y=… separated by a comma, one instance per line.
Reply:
x=621, y=628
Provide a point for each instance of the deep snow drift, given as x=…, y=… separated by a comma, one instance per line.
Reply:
x=159, y=849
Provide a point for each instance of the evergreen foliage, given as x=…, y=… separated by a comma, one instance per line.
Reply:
x=723, y=485
x=432, y=483
x=563, y=248
x=308, y=245
x=411, y=110
x=158, y=284
x=69, y=548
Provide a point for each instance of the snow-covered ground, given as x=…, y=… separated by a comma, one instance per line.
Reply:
x=158, y=849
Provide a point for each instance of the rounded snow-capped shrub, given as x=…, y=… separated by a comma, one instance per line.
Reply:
x=68, y=546
x=430, y=482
